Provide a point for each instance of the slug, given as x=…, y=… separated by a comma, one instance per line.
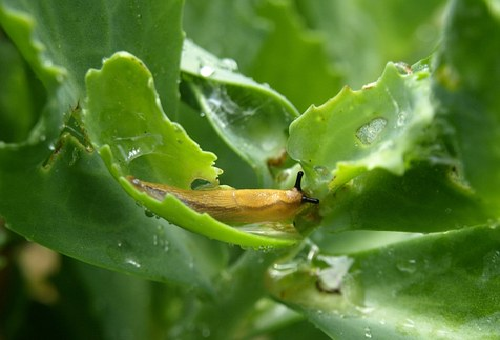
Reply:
x=243, y=206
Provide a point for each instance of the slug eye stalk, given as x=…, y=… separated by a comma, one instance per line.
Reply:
x=305, y=198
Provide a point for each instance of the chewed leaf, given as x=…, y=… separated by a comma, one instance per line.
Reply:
x=124, y=112
x=251, y=118
x=126, y=123
x=375, y=127
x=53, y=190
x=378, y=157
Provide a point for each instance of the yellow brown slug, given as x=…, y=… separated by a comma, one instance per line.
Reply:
x=240, y=206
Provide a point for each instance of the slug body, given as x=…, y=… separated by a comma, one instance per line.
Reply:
x=243, y=206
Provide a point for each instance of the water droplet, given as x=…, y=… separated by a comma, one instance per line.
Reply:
x=369, y=132
x=159, y=241
x=265, y=249
x=133, y=262
x=132, y=153
x=286, y=266
x=407, y=266
x=368, y=332
x=448, y=211
x=203, y=114
x=283, y=269
x=229, y=64
x=223, y=108
x=128, y=145
x=148, y=213
x=206, y=71
x=330, y=278
x=401, y=118
x=323, y=173
x=313, y=252
x=123, y=253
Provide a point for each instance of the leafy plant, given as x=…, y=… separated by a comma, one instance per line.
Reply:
x=404, y=243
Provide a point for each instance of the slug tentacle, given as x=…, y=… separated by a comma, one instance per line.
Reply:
x=242, y=206
x=305, y=198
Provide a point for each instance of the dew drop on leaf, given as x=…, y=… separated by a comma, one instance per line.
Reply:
x=206, y=71
x=331, y=277
x=368, y=332
x=148, y=213
x=123, y=252
x=132, y=153
x=407, y=266
x=402, y=116
x=322, y=172
x=133, y=262
x=369, y=132
x=229, y=64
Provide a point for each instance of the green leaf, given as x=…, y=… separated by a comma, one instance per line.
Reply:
x=125, y=122
x=438, y=286
x=357, y=131
x=57, y=193
x=89, y=217
x=238, y=291
x=252, y=118
x=20, y=94
x=123, y=111
x=120, y=303
x=426, y=198
x=237, y=173
x=72, y=42
x=467, y=72
x=379, y=158
x=270, y=44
